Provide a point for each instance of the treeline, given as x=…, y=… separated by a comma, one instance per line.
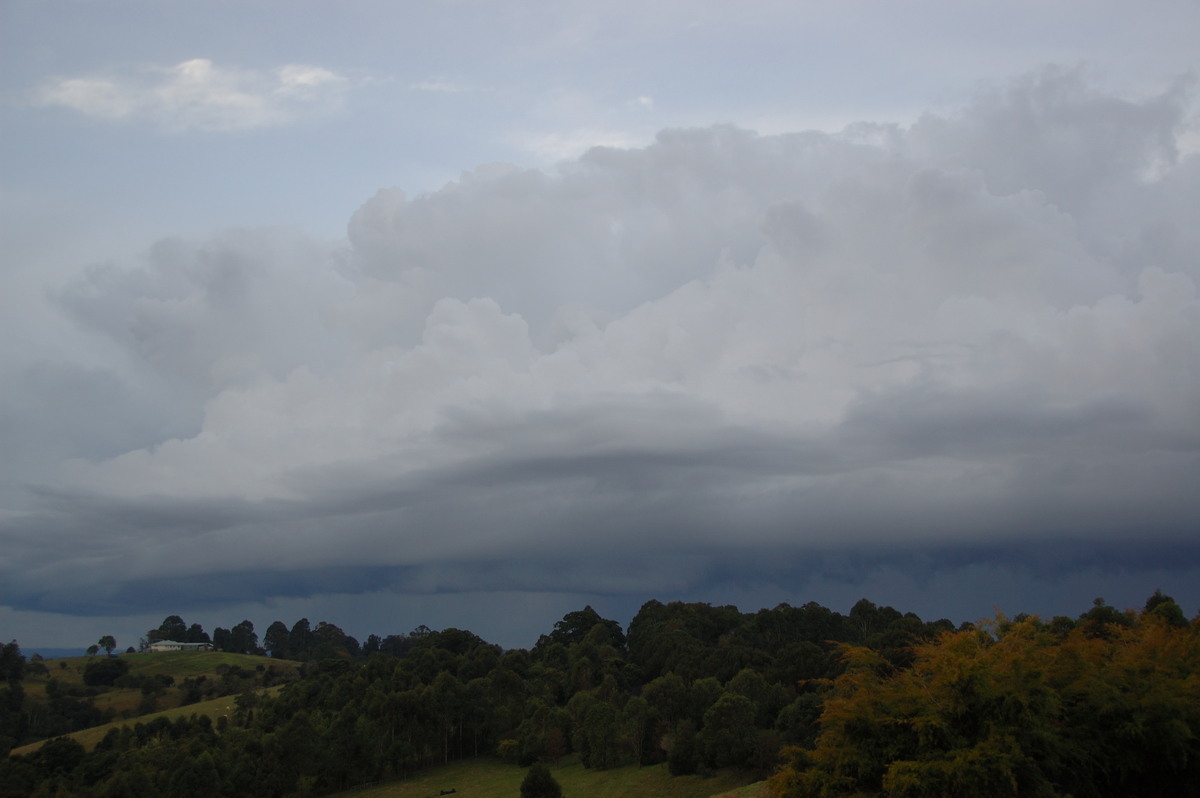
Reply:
x=301, y=642
x=873, y=702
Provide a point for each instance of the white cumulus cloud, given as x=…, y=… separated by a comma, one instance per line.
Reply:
x=200, y=95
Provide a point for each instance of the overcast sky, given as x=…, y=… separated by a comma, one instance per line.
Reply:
x=472, y=313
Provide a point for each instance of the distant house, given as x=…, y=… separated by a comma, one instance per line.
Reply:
x=171, y=645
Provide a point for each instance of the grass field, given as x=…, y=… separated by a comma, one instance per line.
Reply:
x=491, y=778
x=180, y=664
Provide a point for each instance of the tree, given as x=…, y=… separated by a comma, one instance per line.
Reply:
x=330, y=642
x=683, y=758
x=1166, y=608
x=276, y=640
x=93, y=650
x=11, y=661
x=300, y=640
x=222, y=640
x=196, y=634
x=575, y=626
x=242, y=638
x=598, y=736
x=540, y=783
x=108, y=643
x=172, y=628
x=728, y=735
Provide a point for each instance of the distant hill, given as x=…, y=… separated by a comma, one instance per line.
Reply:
x=53, y=653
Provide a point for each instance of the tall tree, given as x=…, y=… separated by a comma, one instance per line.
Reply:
x=330, y=642
x=172, y=628
x=276, y=640
x=196, y=634
x=300, y=640
x=11, y=661
x=242, y=638
x=108, y=643
x=1166, y=608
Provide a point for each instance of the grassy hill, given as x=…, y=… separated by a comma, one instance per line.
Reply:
x=214, y=708
x=216, y=669
x=492, y=778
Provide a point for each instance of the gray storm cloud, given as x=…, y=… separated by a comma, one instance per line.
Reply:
x=980, y=328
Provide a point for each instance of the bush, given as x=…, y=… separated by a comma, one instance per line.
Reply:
x=539, y=783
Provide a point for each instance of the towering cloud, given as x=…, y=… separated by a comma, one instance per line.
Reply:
x=657, y=366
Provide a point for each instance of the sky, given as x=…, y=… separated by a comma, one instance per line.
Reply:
x=471, y=314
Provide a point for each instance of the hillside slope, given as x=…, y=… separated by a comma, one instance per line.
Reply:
x=492, y=778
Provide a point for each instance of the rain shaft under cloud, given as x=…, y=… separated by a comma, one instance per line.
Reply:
x=969, y=343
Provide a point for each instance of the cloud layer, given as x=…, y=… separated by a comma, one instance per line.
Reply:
x=722, y=355
x=200, y=95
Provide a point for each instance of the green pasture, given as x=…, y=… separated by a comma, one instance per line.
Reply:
x=179, y=664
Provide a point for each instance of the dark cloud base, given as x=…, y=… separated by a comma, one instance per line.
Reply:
x=662, y=576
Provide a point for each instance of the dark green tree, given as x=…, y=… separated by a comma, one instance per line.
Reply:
x=600, y=746
x=575, y=627
x=1166, y=608
x=275, y=640
x=242, y=639
x=683, y=759
x=222, y=639
x=172, y=628
x=330, y=642
x=196, y=634
x=108, y=643
x=728, y=736
x=11, y=661
x=669, y=697
x=300, y=640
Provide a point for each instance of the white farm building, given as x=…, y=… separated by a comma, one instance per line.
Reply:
x=171, y=645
